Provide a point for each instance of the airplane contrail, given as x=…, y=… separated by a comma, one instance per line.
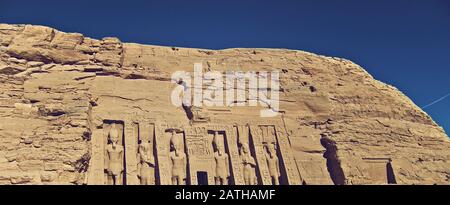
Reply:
x=436, y=101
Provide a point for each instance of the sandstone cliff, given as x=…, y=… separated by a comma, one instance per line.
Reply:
x=59, y=91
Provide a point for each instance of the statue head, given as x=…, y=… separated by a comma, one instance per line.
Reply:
x=114, y=134
x=220, y=148
x=271, y=148
x=218, y=142
x=177, y=146
x=245, y=148
x=144, y=142
x=175, y=142
x=144, y=145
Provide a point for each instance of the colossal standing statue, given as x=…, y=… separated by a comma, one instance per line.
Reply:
x=147, y=164
x=249, y=165
x=221, y=159
x=272, y=163
x=114, y=151
x=179, y=161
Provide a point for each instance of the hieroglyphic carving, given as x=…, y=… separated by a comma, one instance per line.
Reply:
x=198, y=147
x=197, y=143
x=162, y=143
x=196, y=131
x=131, y=146
x=256, y=135
x=293, y=177
x=201, y=155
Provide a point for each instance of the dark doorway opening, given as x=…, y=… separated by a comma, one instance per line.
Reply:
x=202, y=178
x=390, y=174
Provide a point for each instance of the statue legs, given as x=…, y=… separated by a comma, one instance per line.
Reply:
x=253, y=181
x=250, y=177
x=275, y=180
x=110, y=180
x=145, y=181
x=177, y=180
x=118, y=179
x=115, y=179
x=221, y=181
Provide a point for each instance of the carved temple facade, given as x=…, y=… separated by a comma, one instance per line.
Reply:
x=135, y=141
x=197, y=147
x=100, y=112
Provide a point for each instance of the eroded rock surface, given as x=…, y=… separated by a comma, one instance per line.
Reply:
x=65, y=98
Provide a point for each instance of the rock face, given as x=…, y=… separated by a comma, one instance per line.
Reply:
x=75, y=110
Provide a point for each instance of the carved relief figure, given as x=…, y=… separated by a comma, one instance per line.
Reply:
x=249, y=165
x=273, y=163
x=115, y=152
x=147, y=164
x=221, y=159
x=179, y=161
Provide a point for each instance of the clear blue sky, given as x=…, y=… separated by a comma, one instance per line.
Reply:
x=405, y=43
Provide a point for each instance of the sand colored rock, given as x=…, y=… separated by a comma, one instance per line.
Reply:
x=76, y=110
